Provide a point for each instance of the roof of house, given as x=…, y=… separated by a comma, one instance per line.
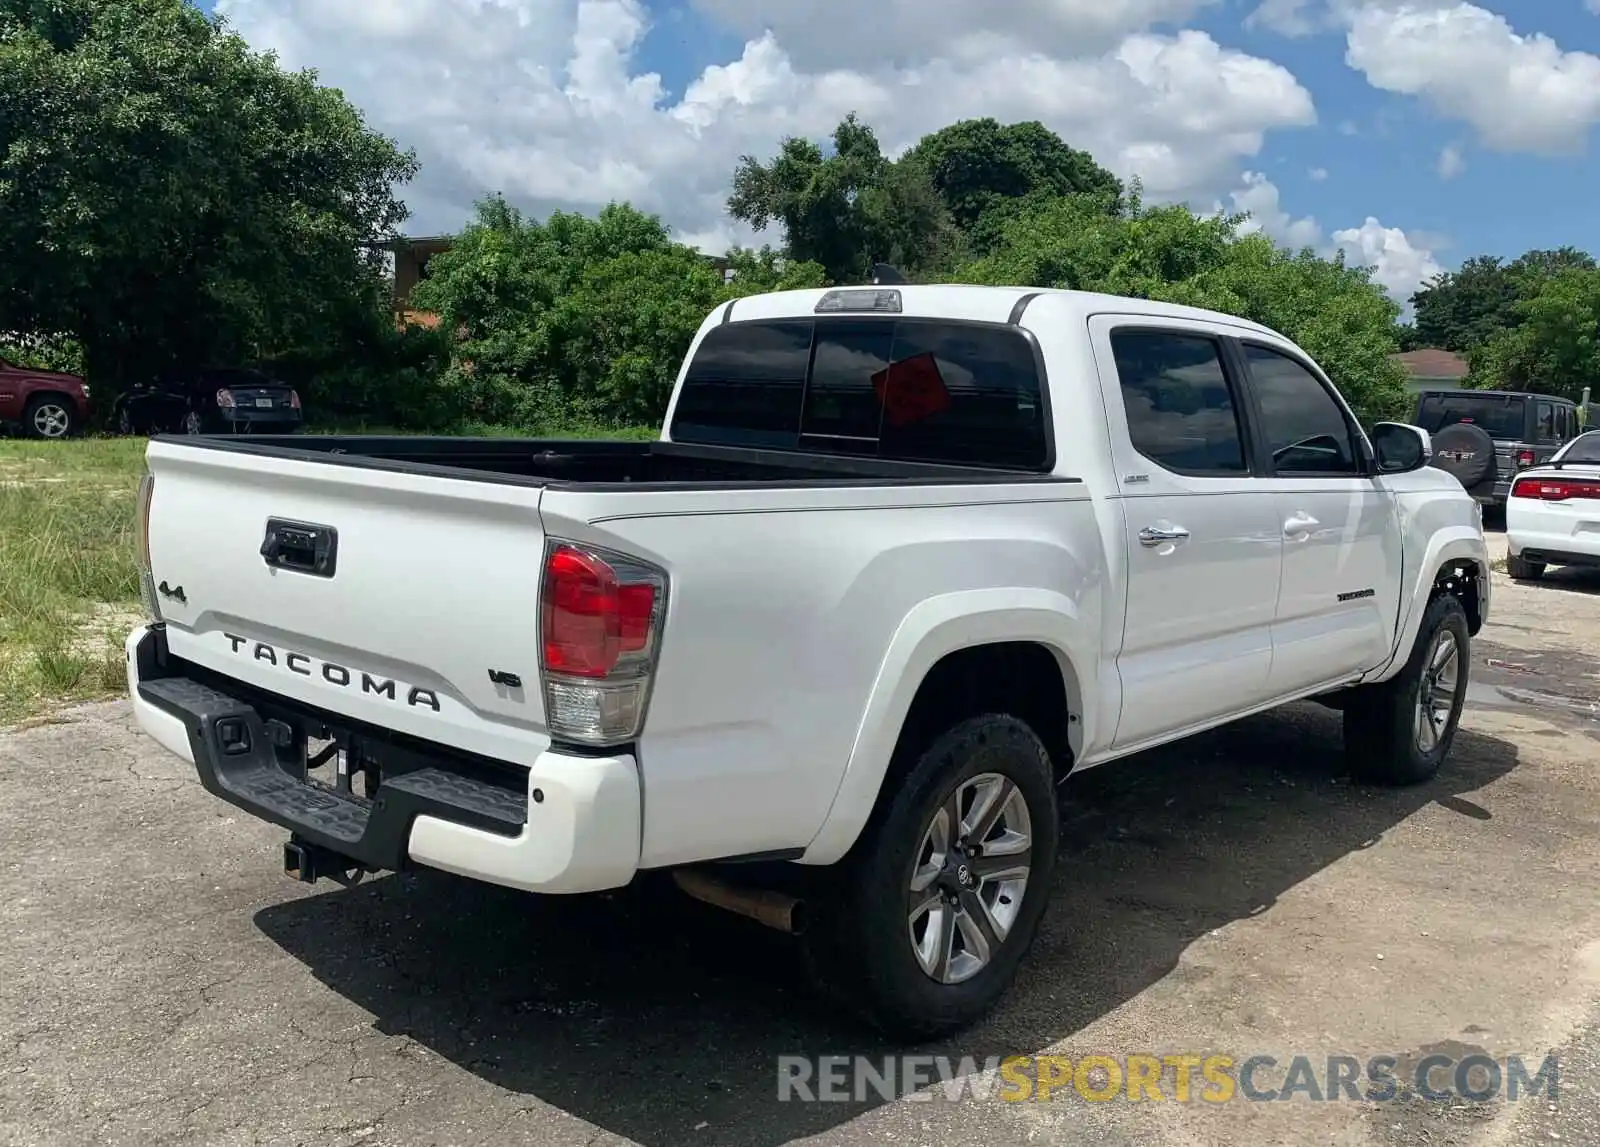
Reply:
x=1430, y=362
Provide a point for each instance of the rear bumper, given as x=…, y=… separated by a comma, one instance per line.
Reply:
x=566, y=824
x=1552, y=534
x=253, y=416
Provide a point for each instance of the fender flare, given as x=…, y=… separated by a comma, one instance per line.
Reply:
x=934, y=628
x=1456, y=544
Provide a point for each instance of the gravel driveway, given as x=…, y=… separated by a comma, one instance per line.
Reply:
x=164, y=984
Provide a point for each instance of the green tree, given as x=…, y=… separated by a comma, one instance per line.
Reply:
x=1457, y=310
x=982, y=170
x=1554, y=345
x=1336, y=312
x=169, y=197
x=847, y=209
x=1464, y=309
x=578, y=319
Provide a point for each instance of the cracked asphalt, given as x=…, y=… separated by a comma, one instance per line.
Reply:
x=1234, y=894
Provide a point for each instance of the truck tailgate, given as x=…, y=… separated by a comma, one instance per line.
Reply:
x=432, y=587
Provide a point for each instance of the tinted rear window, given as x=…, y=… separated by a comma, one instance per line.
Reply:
x=1501, y=416
x=907, y=389
x=1584, y=448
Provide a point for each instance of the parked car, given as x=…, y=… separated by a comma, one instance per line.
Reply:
x=902, y=560
x=1553, y=515
x=232, y=401
x=1486, y=437
x=42, y=403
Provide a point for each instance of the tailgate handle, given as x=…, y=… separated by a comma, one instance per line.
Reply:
x=301, y=547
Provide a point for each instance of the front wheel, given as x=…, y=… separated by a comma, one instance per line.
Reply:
x=49, y=417
x=926, y=920
x=1399, y=732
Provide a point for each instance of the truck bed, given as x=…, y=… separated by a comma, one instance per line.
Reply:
x=590, y=462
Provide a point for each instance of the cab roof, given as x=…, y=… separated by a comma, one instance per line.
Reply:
x=976, y=303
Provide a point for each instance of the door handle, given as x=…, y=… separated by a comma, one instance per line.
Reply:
x=1299, y=525
x=301, y=547
x=1156, y=535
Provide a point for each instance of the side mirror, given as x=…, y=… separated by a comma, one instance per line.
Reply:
x=1400, y=448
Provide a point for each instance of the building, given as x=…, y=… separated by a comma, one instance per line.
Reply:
x=411, y=258
x=1432, y=369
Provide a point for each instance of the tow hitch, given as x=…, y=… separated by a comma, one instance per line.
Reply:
x=308, y=863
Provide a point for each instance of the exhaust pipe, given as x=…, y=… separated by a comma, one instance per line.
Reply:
x=774, y=909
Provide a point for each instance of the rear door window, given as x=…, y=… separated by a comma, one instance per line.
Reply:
x=1500, y=415
x=1180, y=408
x=900, y=389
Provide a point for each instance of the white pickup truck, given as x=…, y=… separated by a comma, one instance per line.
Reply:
x=902, y=560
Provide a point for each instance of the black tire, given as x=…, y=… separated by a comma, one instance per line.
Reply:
x=51, y=417
x=1465, y=451
x=1381, y=725
x=858, y=940
x=1523, y=571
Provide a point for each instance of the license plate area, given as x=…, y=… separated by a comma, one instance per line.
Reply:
x=264, y=403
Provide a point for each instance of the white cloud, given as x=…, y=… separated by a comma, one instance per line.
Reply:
x=1521, y=92
x=1398, y=264
x=1259, y=196
x=1318, y=174
x=867, y=34
x=1451, y=162
x=1287, y=17
x=543, y=99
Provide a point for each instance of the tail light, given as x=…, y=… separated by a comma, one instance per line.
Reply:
x=294, y=400
x=1525, y=459
x=225, y=399
x=1554, y=489
x=600, y=625
x=147, y=580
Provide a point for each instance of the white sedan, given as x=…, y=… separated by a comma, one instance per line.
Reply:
x=1553, y=512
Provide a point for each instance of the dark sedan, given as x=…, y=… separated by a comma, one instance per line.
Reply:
x=234, y=401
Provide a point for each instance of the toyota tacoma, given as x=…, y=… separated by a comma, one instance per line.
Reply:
x=901, y=561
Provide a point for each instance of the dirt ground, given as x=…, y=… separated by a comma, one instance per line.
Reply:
x=1235, y=895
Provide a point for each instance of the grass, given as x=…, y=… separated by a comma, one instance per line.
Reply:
x=68, y=583
x=69, y=586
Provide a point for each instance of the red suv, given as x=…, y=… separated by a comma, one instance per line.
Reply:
x=43, y=403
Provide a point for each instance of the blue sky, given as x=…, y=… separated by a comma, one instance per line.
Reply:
x=1370, y=152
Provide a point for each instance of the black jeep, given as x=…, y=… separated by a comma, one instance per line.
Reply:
x=1483, y=437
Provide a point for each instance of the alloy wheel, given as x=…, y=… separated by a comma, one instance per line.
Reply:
x=969, y=877
x=1436, y=694
x=51, y=420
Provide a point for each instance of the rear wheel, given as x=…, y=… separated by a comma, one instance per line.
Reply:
x=1521, y=570
x=921, y=928
x=1399, y=732
x=49, y=416
x=193, y=423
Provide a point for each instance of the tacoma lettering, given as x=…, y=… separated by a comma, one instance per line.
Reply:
x=332, y=673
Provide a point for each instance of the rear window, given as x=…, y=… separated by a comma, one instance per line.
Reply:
x=1500, y=415
x=911, y=390
x=1584, y=448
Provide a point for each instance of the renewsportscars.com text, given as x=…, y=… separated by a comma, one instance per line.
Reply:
x=1204, y=1077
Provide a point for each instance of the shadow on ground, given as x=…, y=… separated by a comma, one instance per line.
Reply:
x=661, y=1020
x=1569, y=579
